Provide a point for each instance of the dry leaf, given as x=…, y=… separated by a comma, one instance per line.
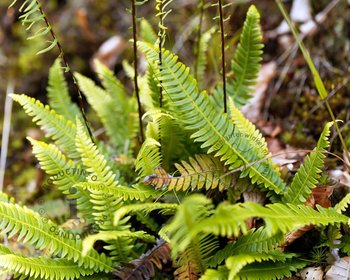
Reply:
x=340, y=270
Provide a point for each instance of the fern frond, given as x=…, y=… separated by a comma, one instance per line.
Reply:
x=34, y=230
x=255, y=241
x=88, y=242
x=149, y=156
x=58, y=94
x=228, y=220
x=216, y=132
x=64, y=173
x=147, y=32
x=309, y=172
x=45, y=268
x=145, y=207
x=203, y=171
x=343, y=204
x=345, y=244
x=62, y=131
x=271, y=270
x=201, y=61
x=247, y=57
x=221, y=273
x=118, y=121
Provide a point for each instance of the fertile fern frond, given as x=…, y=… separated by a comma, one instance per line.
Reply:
x=309, y=172
x=145, y=207
x=255, y=241
x=88, y=242
x=32, y=14
x=31, y=228
x=201, y=60
x=145, y=266
x=162, y=13
x=147, y=32
x=58, y=93
x=62, y=131
x=217, y=133
x=228, y=220
x=271, y=270
x=64, y=173
x=45, y=268
x=203, y=171
x=118, y=121
x=247, y=57
x=149, y=156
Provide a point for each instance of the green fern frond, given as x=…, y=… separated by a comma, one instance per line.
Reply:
x=33, y=229
x=64, y=173
x=271, y=270
x=62, y=131
x=88, y=242
x=147, y=32
x=228, y=220
x=221, y=273
x=201, y=61
x=145, y=207
x=248, y=129
x=255, y=241
x=45, y=268
x=343, y=204
x=247, y=57
x=345, y=244
x=58, y=94
x=309, y=172
x=118, y=121
x=149, y=156
x=216, y=132
x=202, y=171
x=32, y=14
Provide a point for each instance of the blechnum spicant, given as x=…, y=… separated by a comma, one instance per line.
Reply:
x=173, y=201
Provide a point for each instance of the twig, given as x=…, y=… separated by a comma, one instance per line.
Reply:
x=223, y=54
x=199, y=36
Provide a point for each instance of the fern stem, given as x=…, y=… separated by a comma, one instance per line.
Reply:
x=160, y=56
x=67, y=69
x=199, y=35
x=136, y=71
x=223, y=54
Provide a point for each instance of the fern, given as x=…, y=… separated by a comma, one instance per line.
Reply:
x=216, y=132
x=309, y=172
x=62, y=131
x=147, y=32
x=149, y=156
x=46, y=268
x=203, y=171
x=248, y=54
x=32, y=229
x=64, y=173
x=58, y=94
x=343, y=204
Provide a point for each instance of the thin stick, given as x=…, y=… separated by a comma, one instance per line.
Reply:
x=199, y=35
x=6, y=132
x=68, y=69
x=160, y=44
x=223, y=54
x=142, y=137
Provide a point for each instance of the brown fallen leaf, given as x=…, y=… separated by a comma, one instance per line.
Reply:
x=322, y=195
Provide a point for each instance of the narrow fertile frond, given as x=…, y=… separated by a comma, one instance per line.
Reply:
x=58, y=93
x=247, y=57
x=309, y=172
x=64, y=173
x=117, y=120
x=45, y=268
x=228, y=220
x=271, y=270
x=62, y=131
x=202, y=171
x=217, y=133
x=31, y=228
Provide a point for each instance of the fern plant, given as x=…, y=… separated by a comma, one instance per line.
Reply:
x=176, y=202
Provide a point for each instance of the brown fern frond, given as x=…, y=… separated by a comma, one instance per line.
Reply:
x=203, y=171
x=145, y=266
x=187, y=271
